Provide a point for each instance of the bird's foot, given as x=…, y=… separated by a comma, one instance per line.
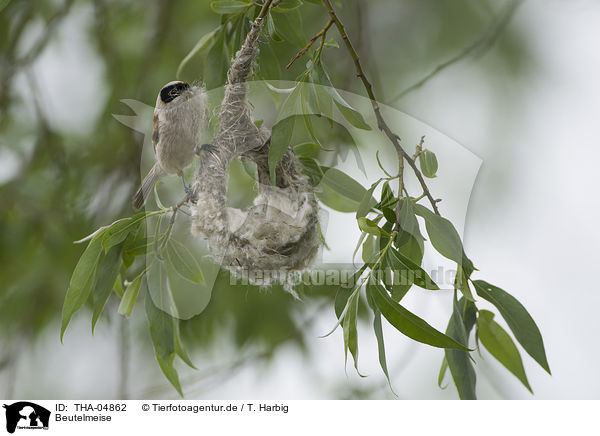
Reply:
x=189, y=191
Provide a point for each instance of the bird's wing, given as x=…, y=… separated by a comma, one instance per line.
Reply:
x=155, y=130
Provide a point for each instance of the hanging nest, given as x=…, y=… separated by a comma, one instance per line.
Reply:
x=280, y=232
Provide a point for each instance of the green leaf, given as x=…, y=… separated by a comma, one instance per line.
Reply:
x=340, y=191
x=168, y=369
x=367, y=225
x=268, y=63
x=324, y=102
x=81, y=283
x=459, y=361
x=289, y=108
x=281, y=137
x=118, y=286
x=367, y=202
x=461, y=282
x=331, y=43
x=3, y=4
x=349, y=113
x=217, y=63
x=429, y=163
x=289, y=26
x=224, y=7
x=287, y=5
x=388, y=199
x=107, y=274
x=352, y=115
x=408, y=219
x=271, y=31
x=442, y=373
x=131, y=292
x=183, y=262
x=369, y=249
x=444, y=238
x=119, y=230
x=518, y=319
x=307, y=149
x=412, y=248
x=418, y=276
x=500, y=345
x=312, y=169
x=378, y=329
x=162, y=332
x=202, y=44
x=410, y=324
x=351, y=332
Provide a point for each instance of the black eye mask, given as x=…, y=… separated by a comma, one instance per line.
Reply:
x=171, y=92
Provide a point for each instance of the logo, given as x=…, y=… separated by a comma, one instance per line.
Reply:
x=26, y=415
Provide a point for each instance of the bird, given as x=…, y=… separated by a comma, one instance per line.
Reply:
x=176, y=130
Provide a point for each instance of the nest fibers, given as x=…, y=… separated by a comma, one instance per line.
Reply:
x=280, y=231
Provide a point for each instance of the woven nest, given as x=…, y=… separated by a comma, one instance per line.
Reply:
x=280, y=231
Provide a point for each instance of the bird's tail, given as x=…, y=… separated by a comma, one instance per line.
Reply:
x=139, y=199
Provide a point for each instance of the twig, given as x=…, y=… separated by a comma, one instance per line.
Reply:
x=419, y=148
x=383, y=126
x=400, y=188
x=174, y=208
x=302, y=52
x=264, y=9
x=485, y=43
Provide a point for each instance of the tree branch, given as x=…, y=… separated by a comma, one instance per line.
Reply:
x=265, y=7
x=322, y=32
x=383, y=126
x=484, y=42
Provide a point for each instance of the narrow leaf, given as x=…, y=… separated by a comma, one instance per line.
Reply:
x=129, y=297
x=459, y=361
x=418, y=276
x=289, y=26
x=518, y=319
x=280, y=141
x=160, y=325
x=117, y=232
x=107, y=274
x=442, y=373
x=81, y=283
x=348, y=112
x=340, y=191
x=184, y=262
x=228, y=6
x=202, y=44
x=367, y=202
x=351, y=332
x=500, y=345
x=444, y=237
x=410, y=324
x=217, y=63
x=369, y=226
x=378, y=329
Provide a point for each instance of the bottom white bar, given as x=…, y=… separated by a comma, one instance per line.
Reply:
x=298, y=417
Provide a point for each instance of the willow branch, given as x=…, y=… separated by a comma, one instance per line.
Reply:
x=302, y=52
x=484, y=43
x=265, y=7
x=381, y=123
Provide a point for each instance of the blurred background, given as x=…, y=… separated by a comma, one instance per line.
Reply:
x=515, y=89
